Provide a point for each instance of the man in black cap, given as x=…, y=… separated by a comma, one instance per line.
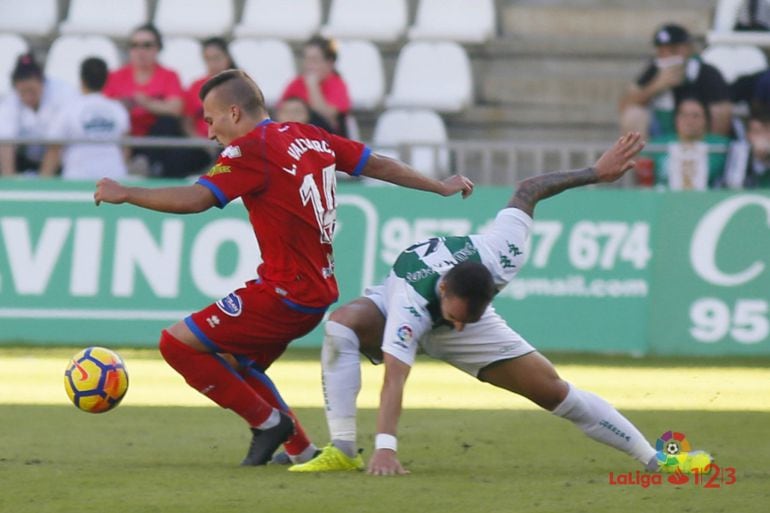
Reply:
x=676, y=72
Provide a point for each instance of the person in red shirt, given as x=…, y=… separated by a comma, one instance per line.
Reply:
x=152, y=94
x=285, y=175
x=320, y=85
x=217, y=57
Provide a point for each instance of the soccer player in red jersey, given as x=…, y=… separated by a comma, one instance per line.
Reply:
x=285, y=175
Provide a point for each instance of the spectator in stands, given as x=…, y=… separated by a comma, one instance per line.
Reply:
x=91, y=116
x=759, y=88
x=676, y=72
x=692, y=158
x=758, y=134
x=26, y=112
x=217, y=57
x=753, y=15
x=320, y=85
x=297, y=110
x=153, y=96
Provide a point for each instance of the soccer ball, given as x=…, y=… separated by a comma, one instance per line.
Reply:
x=96, y=379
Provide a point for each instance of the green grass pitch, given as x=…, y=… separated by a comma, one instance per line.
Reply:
x=469, y=447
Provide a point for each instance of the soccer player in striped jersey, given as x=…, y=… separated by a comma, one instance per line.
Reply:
x=437, y=298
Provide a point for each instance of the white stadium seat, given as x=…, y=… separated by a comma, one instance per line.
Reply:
x=464, y=21
x=735, y=60
x=194, y=18
x=68, y=52
x=725, y=17
x=114, y=18
x=11, y=46
x=360, y=64
x=432, y=75
x=29, y=17
x=270, y=62
x=397, y=127
x=295, y=20
x=726, y=14
x=376, y=20
x=183, y=55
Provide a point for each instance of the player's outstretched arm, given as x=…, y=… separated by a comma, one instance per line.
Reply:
x=187, y=199
x=384, y=461
x=396, y=172
x=610, y=166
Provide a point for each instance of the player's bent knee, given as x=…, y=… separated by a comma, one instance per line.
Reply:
x=339, y=337
x=364, y=318
x=345, y=316
x=553, y=394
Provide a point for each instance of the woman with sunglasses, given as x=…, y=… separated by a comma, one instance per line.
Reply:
x=152, y=94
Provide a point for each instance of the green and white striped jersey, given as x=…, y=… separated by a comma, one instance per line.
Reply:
x=422, y=264
x=501, y=250
x=411, y=290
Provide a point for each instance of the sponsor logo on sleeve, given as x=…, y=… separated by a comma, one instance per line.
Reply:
x=231, y=305
x=513, y=249
x=412, y=310
x=231, y=152
x=218, y=170
x=506, y=262
x=404, y=333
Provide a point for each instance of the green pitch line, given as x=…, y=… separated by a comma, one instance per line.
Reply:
x=36, y=377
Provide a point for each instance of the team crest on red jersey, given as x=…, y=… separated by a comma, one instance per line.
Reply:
x=231, y=304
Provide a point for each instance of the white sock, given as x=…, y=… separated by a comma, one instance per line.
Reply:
x=271, y=421
x=341, y=372
x=305, y=455
x=600, y=421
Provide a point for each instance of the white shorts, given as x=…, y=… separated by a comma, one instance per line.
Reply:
x=480, y=344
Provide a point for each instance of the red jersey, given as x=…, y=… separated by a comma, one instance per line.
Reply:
x=163, y=85
x=333, y=88
x=285, y=174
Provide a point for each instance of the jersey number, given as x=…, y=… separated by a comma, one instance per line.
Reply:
x=325, y=208
x=431, y=244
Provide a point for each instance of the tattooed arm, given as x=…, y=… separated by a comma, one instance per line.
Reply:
x=610, y=166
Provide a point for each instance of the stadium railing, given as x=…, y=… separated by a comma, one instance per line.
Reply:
x=485, y=162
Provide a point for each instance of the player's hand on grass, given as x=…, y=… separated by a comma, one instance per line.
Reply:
x=455, y=184
x=619, y=159
x=385, y=463
x=109, y=191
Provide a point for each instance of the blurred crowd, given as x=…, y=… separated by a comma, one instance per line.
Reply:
x=703, y=132
x=144, y=98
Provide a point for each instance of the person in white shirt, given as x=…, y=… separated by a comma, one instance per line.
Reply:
x=90, y=116
x=26, y=112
